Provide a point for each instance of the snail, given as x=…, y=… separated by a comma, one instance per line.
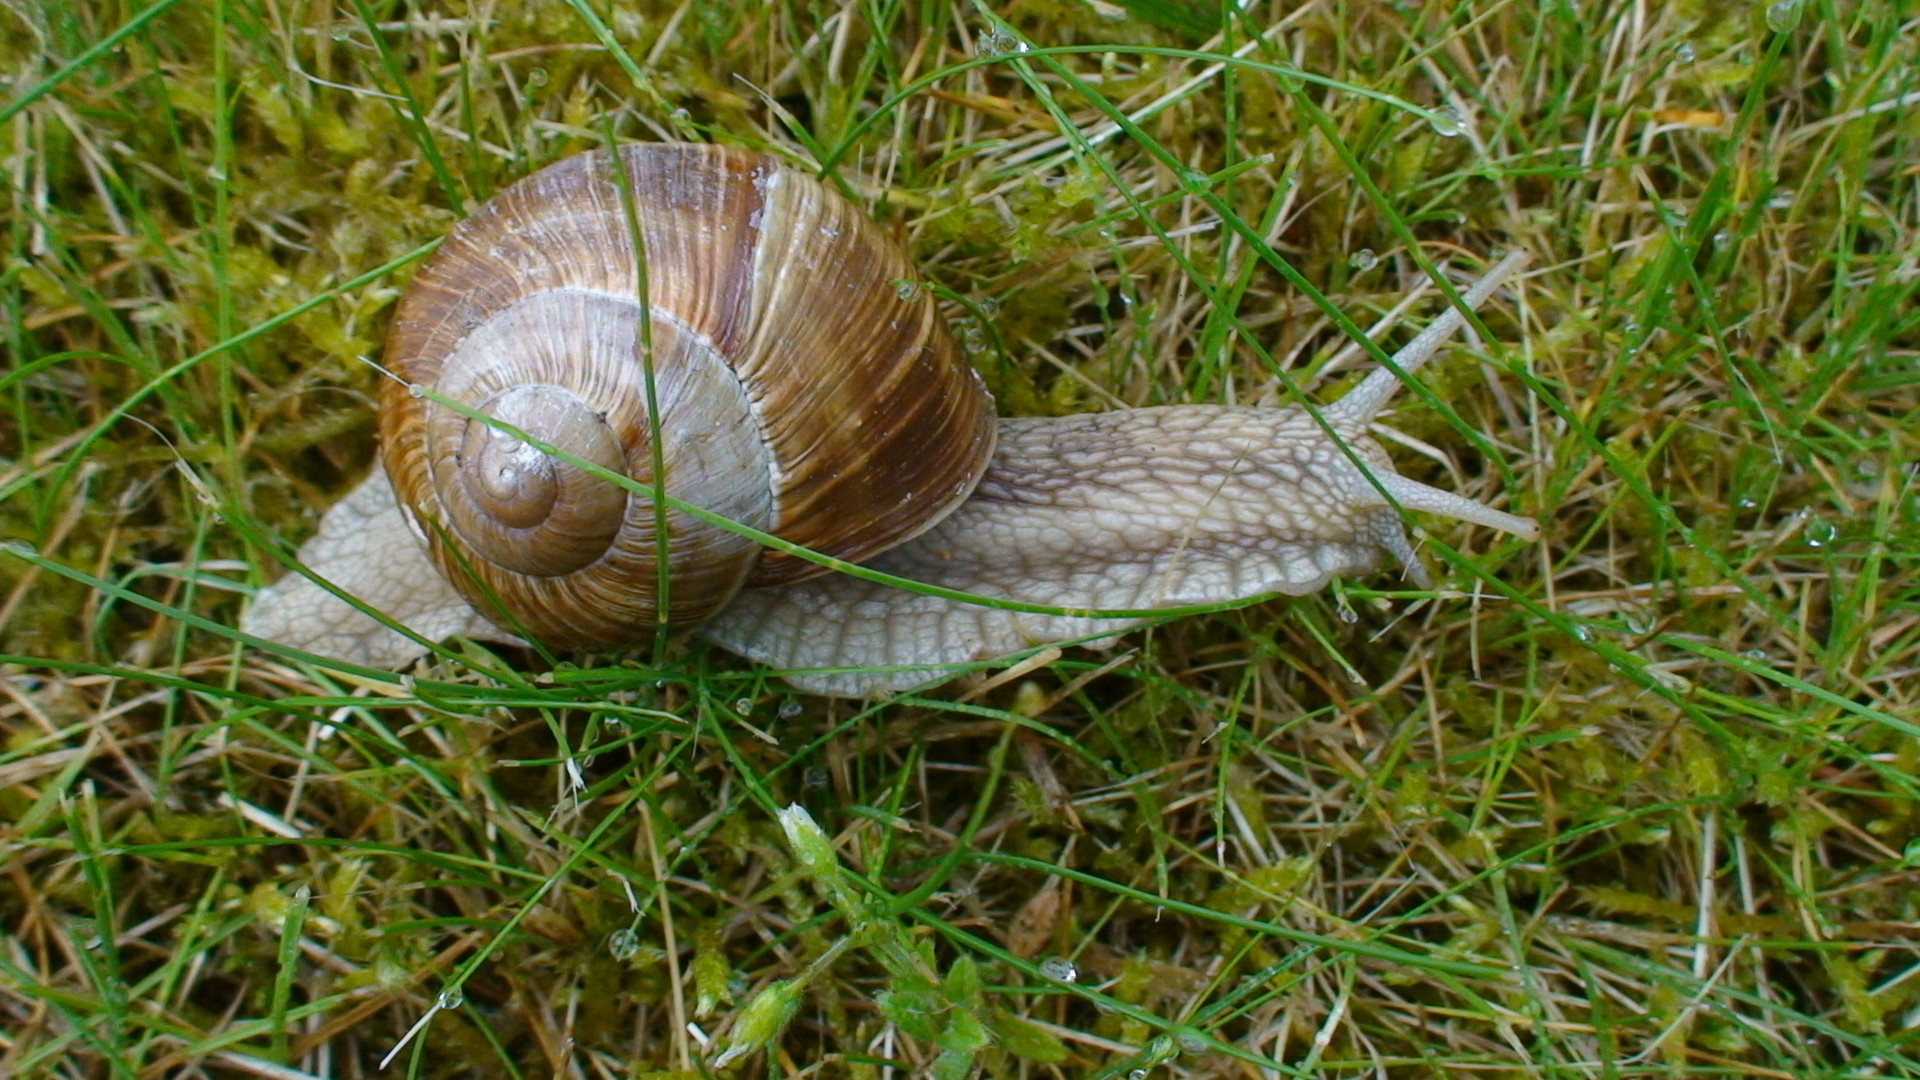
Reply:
x=797, y=381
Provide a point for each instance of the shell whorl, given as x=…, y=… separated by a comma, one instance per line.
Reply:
x=798, y=391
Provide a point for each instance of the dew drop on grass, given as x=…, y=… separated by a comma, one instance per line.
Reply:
x=1447, y=122
x=906, y=290
x=623, y=944
x=997, y=43
x=744, y=706
x=791, y=708
x=1363, y=260
x=449, y=999
x=1783, y=15
x=1191, y=1042
x=1059, y=969
x=1685, y=52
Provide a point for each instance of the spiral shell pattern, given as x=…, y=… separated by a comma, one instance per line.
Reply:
x=788, y=381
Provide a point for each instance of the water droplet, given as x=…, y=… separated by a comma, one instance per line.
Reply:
x=998, y=42
x=1782, y=199
x=20, y=548
x=1756, y=654
x=1447, y=122
x=791, y=708
x=1783, y=15
x=743, y=706
x=1722, y=238
x=1583, y=631
x=450, y=998
x=623, y=944
x=1141, y=1074
x=1685, y=52
x=906, y=290
x=1192, y=1042
x=988, y=306
x=1820, y=532
x=1363, y=260
x=537, y=78
x=1059, y=969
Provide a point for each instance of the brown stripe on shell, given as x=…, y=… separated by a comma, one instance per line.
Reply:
x=566, y=227
x=877, y=424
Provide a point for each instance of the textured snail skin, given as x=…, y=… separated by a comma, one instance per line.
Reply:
x=1137, y=510
x=1130, y=510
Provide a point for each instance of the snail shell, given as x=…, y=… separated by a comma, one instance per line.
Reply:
x=784, y=378
x=799, y=388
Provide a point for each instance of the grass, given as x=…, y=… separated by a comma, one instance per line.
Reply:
x=1639, y=800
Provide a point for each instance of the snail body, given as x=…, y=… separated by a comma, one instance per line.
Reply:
x=791, y=377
